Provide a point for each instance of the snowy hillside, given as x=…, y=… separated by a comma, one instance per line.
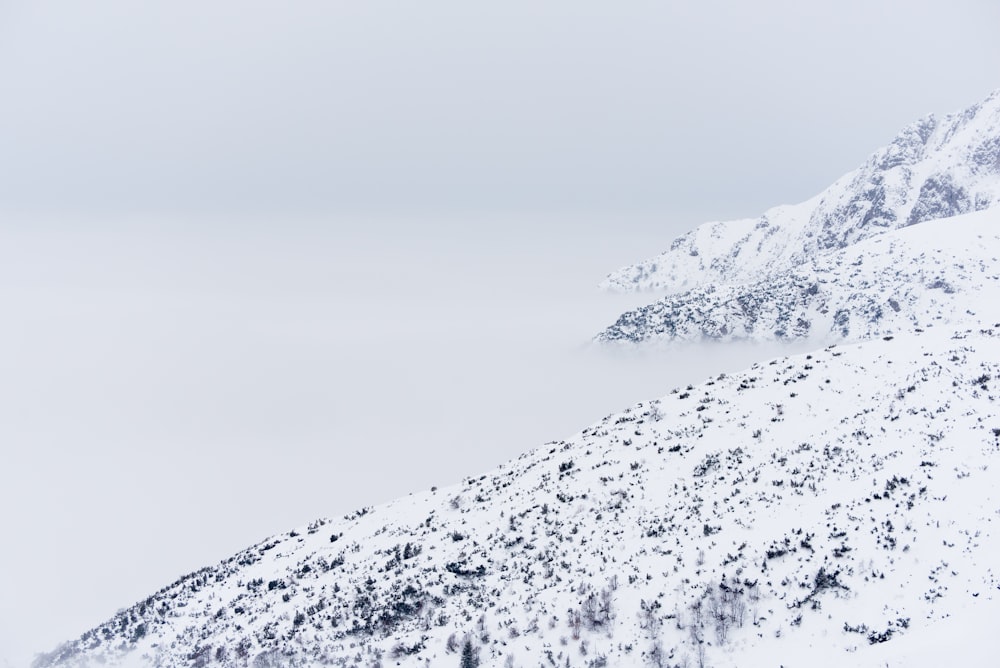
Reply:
x=837, y=508
x=945, y=271
x=934, y=168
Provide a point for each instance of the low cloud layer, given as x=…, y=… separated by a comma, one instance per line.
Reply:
x=237, y=288
x=173, y=391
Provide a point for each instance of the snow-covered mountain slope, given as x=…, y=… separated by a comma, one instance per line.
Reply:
x=837, y=508
x=944, y=271
x=934, y=168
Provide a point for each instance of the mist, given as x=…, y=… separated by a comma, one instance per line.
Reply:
x=261, y=264
x=175, y=392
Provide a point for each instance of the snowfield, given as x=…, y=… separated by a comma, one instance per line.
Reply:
x=833, y=508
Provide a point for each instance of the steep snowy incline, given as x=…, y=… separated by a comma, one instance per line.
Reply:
x=934, y=168
x=837, y=508
x=944, y=271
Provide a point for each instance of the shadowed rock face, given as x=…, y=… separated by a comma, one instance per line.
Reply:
x=934, y=168
x=986, y=156
x=871, y=208
x=940, y=197
x=909, y=146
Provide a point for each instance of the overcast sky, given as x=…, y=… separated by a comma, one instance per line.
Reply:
x=264, y=262
x=556, y=105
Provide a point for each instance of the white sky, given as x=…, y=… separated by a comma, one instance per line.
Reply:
x=261, y=263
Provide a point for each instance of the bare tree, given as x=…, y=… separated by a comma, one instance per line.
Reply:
x=719, y=615
x=657, y=657
x=649, y=620
x=575, y=622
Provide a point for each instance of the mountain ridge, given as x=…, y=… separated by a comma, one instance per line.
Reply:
x=908, y=278
x=933, y=168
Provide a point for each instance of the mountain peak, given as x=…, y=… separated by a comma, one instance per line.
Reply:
x=933, y=168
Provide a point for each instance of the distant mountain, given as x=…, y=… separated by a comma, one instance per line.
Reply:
x=934, y=168
x=837, y=508
x=942, y=272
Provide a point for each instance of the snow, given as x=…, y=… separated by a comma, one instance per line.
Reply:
x=836, y=507
x=853, y=485
x=934, y=168
x=942, y=271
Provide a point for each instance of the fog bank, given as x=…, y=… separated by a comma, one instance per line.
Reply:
x=173, y=390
